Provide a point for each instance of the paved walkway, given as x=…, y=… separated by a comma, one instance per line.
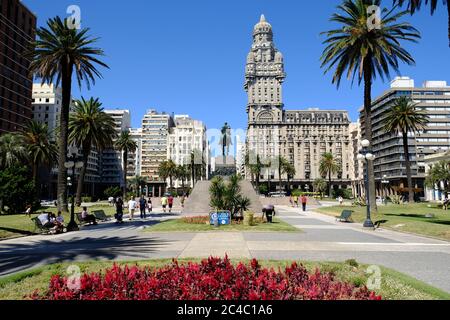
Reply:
x=321, y=239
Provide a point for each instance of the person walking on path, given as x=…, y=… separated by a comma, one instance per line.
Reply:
x=170, y=202
x=304, y=202
x=183, y=198
x=131, y=208
x=164, y=203
x=119, y=210
x=296, y=201
x=149, y=205
x=142, y=206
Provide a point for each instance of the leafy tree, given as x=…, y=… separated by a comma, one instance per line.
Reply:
x=41, y=150
x=255, y=168
x=12, y=150
x=58, y=53
x=290, y=172
x=90, y=126
x=358, y=49
x=112, y=192
x=414, y=5
x=329, y=166
x=404, y=118
x=137, y=183
x=182, y=173
x=439, y=174
x=167, y=170
x=17, y=189
x=126, y=144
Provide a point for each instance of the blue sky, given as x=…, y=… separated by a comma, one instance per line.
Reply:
x=188, y=57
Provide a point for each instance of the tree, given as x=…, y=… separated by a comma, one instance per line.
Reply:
x=283, y=165
x=12, y=150
x=60, y=51
x=404, y=118
x=89, y=126
x=112, y=192
x=137, y=183
x=255, y=166
x=126, y=144
x=196, y=166
x=167, y=170
x=41, y=150
x=414, y=5
x=227, y=195
x=290, y=172
x=359, y=49
x=329, y=166
x=182, y=173
x=17, y=189
x=320, y=185
x=439, y=174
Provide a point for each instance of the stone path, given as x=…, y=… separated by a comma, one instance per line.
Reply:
x=321, y=239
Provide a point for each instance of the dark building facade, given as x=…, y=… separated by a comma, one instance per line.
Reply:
x=17, y=30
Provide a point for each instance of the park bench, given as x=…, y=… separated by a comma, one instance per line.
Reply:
x=100, y=215
x=346, y=216
x=80, y=219
x=38, y=226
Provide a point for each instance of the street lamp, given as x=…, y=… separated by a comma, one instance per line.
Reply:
x=385, y=183
x=73, y=164
x=365, y=155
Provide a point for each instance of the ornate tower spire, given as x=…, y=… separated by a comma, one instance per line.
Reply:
x=264, y=74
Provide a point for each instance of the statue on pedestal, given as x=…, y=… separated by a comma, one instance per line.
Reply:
x=226, y=140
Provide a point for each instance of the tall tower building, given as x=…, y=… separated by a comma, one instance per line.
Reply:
x=264, y=77
x=17, y=30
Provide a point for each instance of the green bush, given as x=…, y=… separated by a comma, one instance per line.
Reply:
x=17, y=189
x=86, y=199
x=344, y=193
x=249, y=218
x=263, y=189
x=112, y=192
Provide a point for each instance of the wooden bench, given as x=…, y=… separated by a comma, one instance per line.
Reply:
x=100, y=215
x=346, y=216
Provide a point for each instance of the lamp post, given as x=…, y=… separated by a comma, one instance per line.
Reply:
x=385, y=183
x=365, y=155
x=73, y=164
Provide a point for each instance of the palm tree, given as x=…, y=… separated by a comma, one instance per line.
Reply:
x=439, y=173
x=126, y=144
x=89, y=127
x=255, y=168
x=59, y=52
x=404, y=118
x=414, y=5
x=282, y=169
x=182, y=173
x=290, y=172
x=41, y=150
x=168, y=169
x=329, y=166
x=320, y=185
x=137, y=183
x=357, y=49
x=12, y=150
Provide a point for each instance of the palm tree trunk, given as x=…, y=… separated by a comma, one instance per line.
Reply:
x=330, y=193
x=125, y=165
x=66, y=81
x=368, y=128
x=279, y=176
x=80, y=183
x=408, y=167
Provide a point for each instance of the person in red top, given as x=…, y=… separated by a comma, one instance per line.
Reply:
x=304, y=202
x=170, y=202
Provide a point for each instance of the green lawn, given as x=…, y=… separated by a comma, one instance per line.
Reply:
x=178, y=225
x=406, y=218
x=12, y=226
x=394, y=285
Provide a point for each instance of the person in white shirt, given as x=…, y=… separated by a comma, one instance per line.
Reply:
x=132, y=207
x=44, y=218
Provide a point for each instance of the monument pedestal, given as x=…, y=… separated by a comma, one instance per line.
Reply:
x=224, y=166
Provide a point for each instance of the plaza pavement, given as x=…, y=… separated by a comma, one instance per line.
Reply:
x=320, y=238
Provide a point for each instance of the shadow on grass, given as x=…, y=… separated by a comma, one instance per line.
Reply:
x=18, y=231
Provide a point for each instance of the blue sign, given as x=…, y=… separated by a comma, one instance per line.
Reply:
x=223, y=217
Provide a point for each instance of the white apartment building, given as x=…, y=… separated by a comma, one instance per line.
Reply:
x=240, y=156
x=46, y=105
x=111, y=164
x=134, y=158
x=155, y=131
x=186, y=137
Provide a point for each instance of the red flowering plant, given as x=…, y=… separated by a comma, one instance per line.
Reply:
x=211, y=279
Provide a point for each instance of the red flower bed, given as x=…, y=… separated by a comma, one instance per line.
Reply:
x=212, y=279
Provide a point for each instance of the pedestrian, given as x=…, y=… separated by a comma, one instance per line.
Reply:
x=142, y=206
x=132, y=204
x=149, y=205
x=170, y=202
x=164, y=203
x=119, y=210
x=341, y=200
x=183, y=198
x=28, y=211
x=304, y=202
x=296, y=201
x=291, y=201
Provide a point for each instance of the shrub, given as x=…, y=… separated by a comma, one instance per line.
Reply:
x=86, y=199
x=344, y=193
x=212, y=279
x=196, y=220
x=17, y=189
x=249, y=218
x=112, y=192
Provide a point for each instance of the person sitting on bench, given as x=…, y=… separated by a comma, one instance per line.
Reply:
x=46, y=220
x=88, y=218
